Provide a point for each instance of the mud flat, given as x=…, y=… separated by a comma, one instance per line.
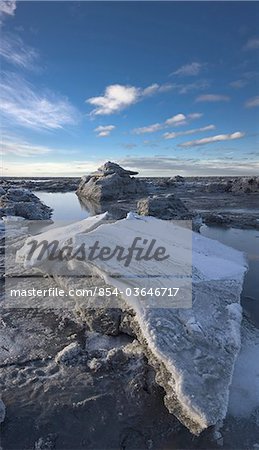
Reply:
x=71, y=378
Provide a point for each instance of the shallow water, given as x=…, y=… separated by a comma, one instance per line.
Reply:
x=230, y=210
x=67, y=208
x=246, y=241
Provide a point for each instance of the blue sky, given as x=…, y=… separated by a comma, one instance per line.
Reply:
x=161, y=87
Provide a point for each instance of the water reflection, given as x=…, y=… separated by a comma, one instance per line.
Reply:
x=66, y=206
x=246, y=241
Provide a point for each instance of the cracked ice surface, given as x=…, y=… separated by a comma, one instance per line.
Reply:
x=192, y=348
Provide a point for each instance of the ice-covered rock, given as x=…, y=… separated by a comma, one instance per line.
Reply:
x=244, y=185
x=46, y=443
x=177, y=179
x=69, y=355
x=192, y=347
x=164, y=207
x=22, y=202
x=110, y=182
x=109, y=168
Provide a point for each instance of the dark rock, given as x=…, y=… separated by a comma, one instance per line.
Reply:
x=245, y=185
x=216, y=219
x=110, y=182
x=22, y=202
x=164, y=207
x=47, y=185
x=177, y=179
x=197, y=222
x=109, y=168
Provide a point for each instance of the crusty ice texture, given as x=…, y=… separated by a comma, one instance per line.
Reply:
x=194, y=349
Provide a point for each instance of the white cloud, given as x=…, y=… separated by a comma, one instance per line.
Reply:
x=148, y=129
x=212, y=139
x=24, y=105
x=185, y=88
x=117, y=97
x=252, y=102
x=150, y=90
x=173, y=135
x=13, y=49
x=194, y=116
x=156, y=89
x=176, y=120
x=212, y=98
x=252, y=44
x=7, y=7
x=104, y=130
x=165, y=87
x=191, y=69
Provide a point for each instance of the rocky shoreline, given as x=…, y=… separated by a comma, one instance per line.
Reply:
x=205, y=197
x=92, y=368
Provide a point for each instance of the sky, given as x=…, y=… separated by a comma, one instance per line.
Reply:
x=164, y=88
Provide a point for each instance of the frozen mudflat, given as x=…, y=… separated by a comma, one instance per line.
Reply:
x=193, y=353
x=108, y=397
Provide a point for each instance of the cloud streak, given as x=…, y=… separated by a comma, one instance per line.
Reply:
x=185, y=88
x=118, y=97
x=191, y=69
x=13, y=49
x=104, y=130
x=12, y=145
x=169, y=166
x=174, y=135
x=212, y=98
x=212, y=139
x=252, y=102
x=148, y=129
x=23, y=105
x=176, y=120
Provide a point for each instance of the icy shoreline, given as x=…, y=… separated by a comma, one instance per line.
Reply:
x=192, y=352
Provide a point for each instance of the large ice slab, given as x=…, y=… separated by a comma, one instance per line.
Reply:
x=193, y=349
